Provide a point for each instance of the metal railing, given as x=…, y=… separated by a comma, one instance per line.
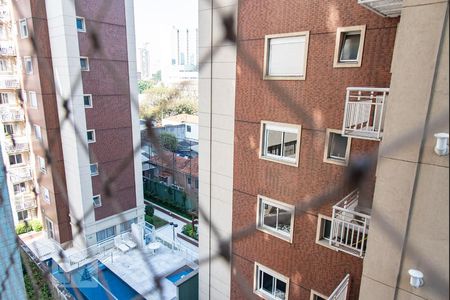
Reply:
x=11, y=114
x=25, y=201
x=364, y=112
x=7, y=48
x=20, y=174
x=9, y=82
x=386, y=8
x=340, y=293
x=349, y=228
x=18, y=147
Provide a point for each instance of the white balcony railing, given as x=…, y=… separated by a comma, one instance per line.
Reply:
x=4, y=13
x=25, y=201
x=364, y=112
x=350, y=226
x=7, y=48
x=20, y=174
x=341, y=292
x=386, y=8
x=15, y=114
x=20, y=145
x=9, y=82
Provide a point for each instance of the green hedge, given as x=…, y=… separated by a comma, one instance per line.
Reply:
x=190, y=231
x=24, y=227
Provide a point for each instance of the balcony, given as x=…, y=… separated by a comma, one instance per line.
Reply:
x=24, y=201
x=350, y=226
x=20, y=174
x=364, y=112
x=386, y=8
x=9, y=82
x=13, y=114
x=20, y=145
x=7, y=48
x=4, y=13
x=341, y=292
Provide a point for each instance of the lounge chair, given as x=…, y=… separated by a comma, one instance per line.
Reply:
x=120, y=245
x=128, y=240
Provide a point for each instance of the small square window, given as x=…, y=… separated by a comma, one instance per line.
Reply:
x=337, y=148
x=97, y=200
x=4, y=98
x=94, y=169
x=286, y=56
x=84, y=63
x=276, y=218
x=42, y=166
x=323, y=233
x=23, y=215
x=15, y=159
x=270, y=284
x=90, y=134
x=317, y=296
x=19, y=188
x=81, y=24
x=33, y=99
x=87, y=100
x=38, y=132
x=280, y=142
x=188, y=128
x=10, y=129
x=23, y=28
x=45, y=194
x=349, y=46
x=28, y=63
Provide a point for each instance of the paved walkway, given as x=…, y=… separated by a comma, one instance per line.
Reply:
x=166, y=232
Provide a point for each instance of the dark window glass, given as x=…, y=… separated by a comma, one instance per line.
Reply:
x=350, y=46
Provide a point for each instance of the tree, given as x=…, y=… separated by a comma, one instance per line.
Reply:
x=168, y=141
x=185, y=106
x=145, y=85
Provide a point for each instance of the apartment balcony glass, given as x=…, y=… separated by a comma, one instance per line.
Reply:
x=386, y=8
x=20, y=174
x=9, y=82
x=350, y=226
x=364, y=112
x=12, y=114
x=25, y=201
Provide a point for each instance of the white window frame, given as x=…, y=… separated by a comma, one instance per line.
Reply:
x=84, y=24
x=90, y=100
x=22, y=158
x=93, y=140
x=90, y=171
x=42, y=165
x=276, y=275
x=266, y=75
x=260, y=218
x=45, y=194
x=87, y=64
x=326, y=155
x=99, y=197
x=4, y=96
x=33, y=99
x=319, y=232
x=315, y=293
x=340, y=33
x=25, y=60
x=38, y=132
x=287, y=128
x=23, y=34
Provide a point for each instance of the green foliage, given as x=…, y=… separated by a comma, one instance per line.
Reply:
x=157, y=76
x=41, y=282
x=23, y=227
x=190, y=231
x=36, y=225
x=156, y=221
x=168, y=141
x=149, y=210
x=144, y=85
x=183, y=107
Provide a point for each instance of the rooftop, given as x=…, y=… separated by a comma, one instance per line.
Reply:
x=180, y=119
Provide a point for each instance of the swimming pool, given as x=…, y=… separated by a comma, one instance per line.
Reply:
x=180, y=273
x=93, y=281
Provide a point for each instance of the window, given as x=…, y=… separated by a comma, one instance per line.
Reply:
x=87, y=100
x=196, y=183
x=15, y=159
x=4, y=98
x=317, y=296
x=280, y=142
x=23, y=28
x=38, y=132
x=81, y=24
x=349, y=46
x=23, y=215
x=269, y=284
x=126, y=226
x=90, y=134
x=42, y=166
x=106, y=234
x=189, y=179
x=4, y=65
x=45, y=194
x=84, y=63
x=94, y=169
x=9, y=129
x=33, y=99
x=97, y=200
x=276, y=218
x=188, y=128
x=19, y=188
x=285, y=56
x=337, y=148
x=323, y=230
x=28, y=63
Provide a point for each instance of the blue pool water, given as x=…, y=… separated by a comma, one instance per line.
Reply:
x=93, y=281
x=180, y=273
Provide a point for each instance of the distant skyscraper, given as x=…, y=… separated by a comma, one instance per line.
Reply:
x=144, y=62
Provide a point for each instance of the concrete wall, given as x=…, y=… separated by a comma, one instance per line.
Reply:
x=409, y=226
x=216, y=138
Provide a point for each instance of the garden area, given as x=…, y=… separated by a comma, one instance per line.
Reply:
x=38, y=278
x=152, y=219
x=24, y=227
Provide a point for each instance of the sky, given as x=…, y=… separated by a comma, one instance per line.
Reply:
x=154, y=18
